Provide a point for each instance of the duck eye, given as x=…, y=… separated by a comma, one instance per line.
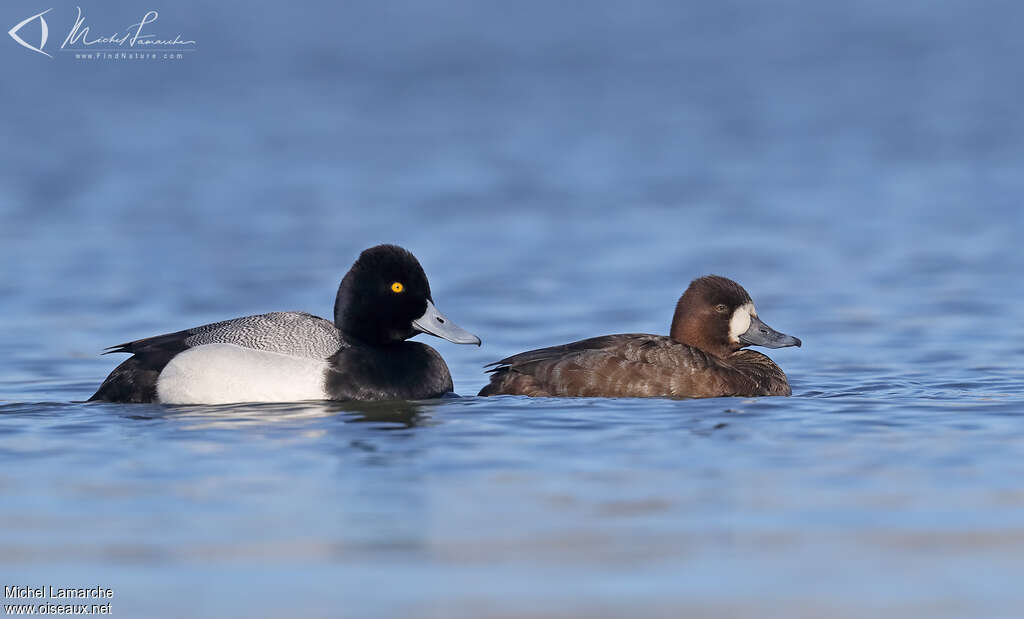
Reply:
x=397, y=287
x=721, y=308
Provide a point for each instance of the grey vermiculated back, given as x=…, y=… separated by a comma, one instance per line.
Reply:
x=290, y=333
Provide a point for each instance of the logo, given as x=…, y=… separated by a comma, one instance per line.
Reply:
x=134, y=43
x=42, y=26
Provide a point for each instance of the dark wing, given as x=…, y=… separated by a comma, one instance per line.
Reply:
x=530, y=373
x=530, y=357
x=168, y=341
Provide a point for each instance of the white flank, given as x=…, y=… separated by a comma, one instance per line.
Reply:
x=226, y=373
x=740, y=321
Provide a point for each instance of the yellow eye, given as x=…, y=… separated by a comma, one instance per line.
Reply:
x=397, y=287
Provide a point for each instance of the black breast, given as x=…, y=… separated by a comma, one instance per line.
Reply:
x=400, y=371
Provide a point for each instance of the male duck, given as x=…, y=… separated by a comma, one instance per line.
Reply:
x=382, y=301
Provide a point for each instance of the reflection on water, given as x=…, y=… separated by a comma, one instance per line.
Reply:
x=384, y=415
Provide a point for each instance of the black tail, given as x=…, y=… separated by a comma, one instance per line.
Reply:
x=131, y=381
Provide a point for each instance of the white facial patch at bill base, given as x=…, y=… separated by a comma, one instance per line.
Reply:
x=740, y=321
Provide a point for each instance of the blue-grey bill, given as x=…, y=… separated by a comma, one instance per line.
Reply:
x=435, y=323
x=760, y=334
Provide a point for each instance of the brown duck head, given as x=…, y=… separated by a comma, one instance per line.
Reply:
x=716, y=315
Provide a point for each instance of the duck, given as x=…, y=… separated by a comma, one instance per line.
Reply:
x=704, y=356
x=363, y=354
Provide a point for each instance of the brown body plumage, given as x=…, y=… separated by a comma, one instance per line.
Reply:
x=703, y=357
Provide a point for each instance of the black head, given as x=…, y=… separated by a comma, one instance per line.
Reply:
x=385, y=298
x=716, y=315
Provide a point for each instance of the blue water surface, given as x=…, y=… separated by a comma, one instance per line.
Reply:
x=561, y=172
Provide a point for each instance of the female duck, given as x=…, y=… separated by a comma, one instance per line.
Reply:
x=383, y=300
x=702, y=358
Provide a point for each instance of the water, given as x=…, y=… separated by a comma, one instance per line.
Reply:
x=561, y=173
